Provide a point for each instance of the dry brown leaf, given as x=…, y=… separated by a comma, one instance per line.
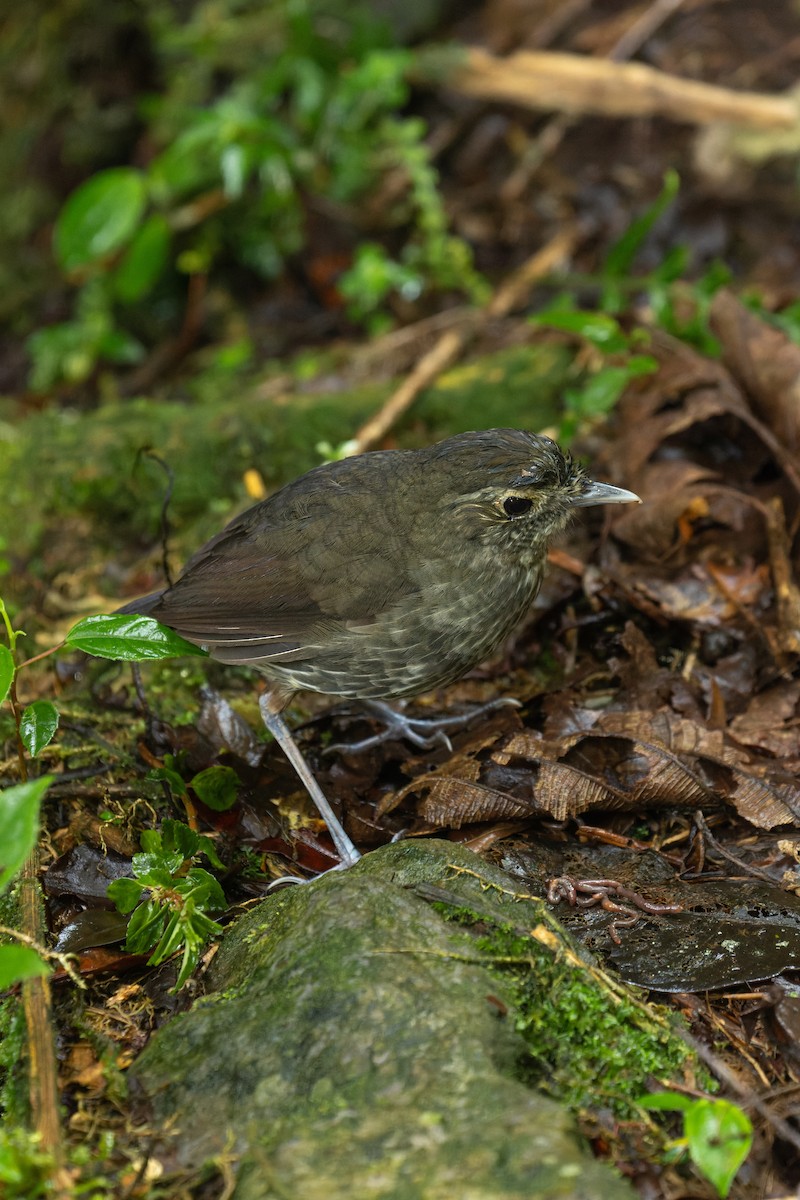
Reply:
x=706, y=595
x=766, y=363
x=455, y=802
x=769, y=721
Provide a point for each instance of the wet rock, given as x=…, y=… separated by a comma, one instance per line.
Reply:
x=356, y=1046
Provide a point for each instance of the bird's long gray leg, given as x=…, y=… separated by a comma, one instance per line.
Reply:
x=280, y=731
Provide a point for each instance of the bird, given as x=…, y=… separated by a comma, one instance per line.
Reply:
x=380, y=576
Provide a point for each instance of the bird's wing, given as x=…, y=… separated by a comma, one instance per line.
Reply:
x=260, y=591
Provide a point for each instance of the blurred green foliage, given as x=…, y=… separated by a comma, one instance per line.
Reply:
x=257, y=116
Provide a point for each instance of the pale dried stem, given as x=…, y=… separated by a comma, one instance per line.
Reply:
x=451, y=344
x=37, y=1005
x=549, y=139
x=581, y=85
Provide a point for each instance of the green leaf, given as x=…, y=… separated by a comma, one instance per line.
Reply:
x=217, y=787
x=204, y=889
x=18, y=963
x=622, y=254
x=6, y=671
x=19, y=824
x=720, y=1136
x=129, y=638
x=191, y=957
x=99, y=217
x=208, y=848
x=597, y=327
x=177, y=836
x=174, y=781
x=37, y=726
x=143, y=262
x=125, y=893
x=157, y=870
x=117, y=346
x=667, y=1102
x=145, y=927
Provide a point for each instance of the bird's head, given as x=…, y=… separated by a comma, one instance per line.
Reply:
x=517, y=490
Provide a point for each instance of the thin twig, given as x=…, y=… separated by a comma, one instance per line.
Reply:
x=549, y=139
x=643, y=28
x=756, y=872
x=38, y=1008
x=451, y=343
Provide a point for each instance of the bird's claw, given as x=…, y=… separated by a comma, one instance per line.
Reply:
x=301, y=880
x=422, y=732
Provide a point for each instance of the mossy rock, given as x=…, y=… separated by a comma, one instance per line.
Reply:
x=359, y=1043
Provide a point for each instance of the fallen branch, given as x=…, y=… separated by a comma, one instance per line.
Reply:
x=578, y=84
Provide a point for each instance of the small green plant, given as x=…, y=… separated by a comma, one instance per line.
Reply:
x=24, y=1167
x=36, y=723
x=717, y=1135
x=131, y=638
x=19, y=829
x=678, y=306
x=244, y=141
x=616, y=270
x=618, y=360
x=217, y=787
x=170, y=897
x=675, y=305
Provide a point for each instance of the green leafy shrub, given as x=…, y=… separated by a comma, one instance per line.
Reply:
x=248, y=133
x=125, y=638
x=170, y=897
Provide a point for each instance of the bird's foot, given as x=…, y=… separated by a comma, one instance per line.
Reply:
x=301, y=879
x=424, y=732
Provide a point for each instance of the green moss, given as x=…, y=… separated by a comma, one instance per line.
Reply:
x=351, y=1047
x=24, y=1168
x=13, y=1082
x=587, y=1046
x=13, y=1077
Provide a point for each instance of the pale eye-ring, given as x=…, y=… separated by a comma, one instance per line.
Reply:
x=515, y=506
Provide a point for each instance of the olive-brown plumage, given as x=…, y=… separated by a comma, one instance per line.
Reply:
x=386, y=574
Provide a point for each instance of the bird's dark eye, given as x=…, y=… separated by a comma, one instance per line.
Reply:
x=515, y=506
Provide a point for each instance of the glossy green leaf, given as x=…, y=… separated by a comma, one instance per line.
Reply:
x=217, y=787
x=99, y=217
x=19, y=824
x=667, y=1102
x=144, y=261
x=145, y=927
x=719, y=1135
x=18, y=963
x=128, y=638
x=6, y=671
x=157, y=870
x=125, y=894
x=37, y=726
